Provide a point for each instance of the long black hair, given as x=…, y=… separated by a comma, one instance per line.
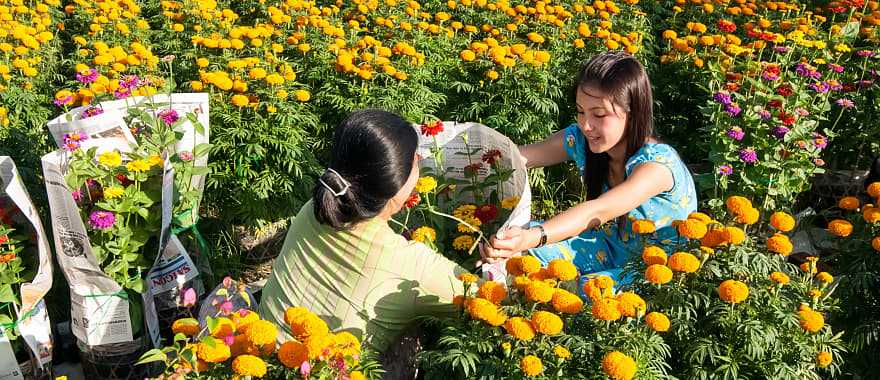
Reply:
x=372, y=153
x=622, y=78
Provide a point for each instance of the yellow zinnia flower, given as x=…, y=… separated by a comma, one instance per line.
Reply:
x=113, y=192
x=138, y=166
x=426, y=184
x=110, y=159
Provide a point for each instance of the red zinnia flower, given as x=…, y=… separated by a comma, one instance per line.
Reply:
x=774, y=104
x=4, y=239
x=726, y=26
x=473, y=169
x=432, y=128
x=491, y=156
x=784, y=90
x=486, y=213
x=786, y=119
x=413, y=200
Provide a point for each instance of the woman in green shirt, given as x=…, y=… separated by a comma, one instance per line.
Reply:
x=340, y=258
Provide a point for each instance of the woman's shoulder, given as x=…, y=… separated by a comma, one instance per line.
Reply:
x=653, y=151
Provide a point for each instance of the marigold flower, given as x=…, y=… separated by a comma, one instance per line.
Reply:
x=249, y=365
x=749, y=216
x=604, y=282
x=521, y=282
x=529, y=264
x=513, y=266
x=658, y=274
x=292, y=354
x=426, y=184
x=715, y=237
x=875, y=243
x=619, y=366
x=779, y=243
x=520, y=328
x=825, y=277
x=243, y=318
x=733, y=291
x=684, y=262
x=223, y=328
x=509, y=203
x=782, y=221
x=737, y=205
x=563, y=270
x=696, y=215
x=317, y=344
x=630, y=304
x=261, y=332
x=292, y=314
x=849, y=203
x=643, y=227
x=871, y=214
x=566, y=302
x=605, y=309
x=823, y=359
x=468, y=278
x=561, y=352
x=240, y=100
x=217, y=354
x=463, y=242
x=346, y=344
x=357, y=375
x=307, y=326
x=874, y=190
x=424, y=234
x=658, y=322
x=492, y=291
x=692, y=229
x=186, y=326
x=653, y=255
x=302, y=95
x=735, y=235
x=810, y=320
x=779, y=278
x=539, y=291
x=840, y=227
x=531, y=366
x=546, y=323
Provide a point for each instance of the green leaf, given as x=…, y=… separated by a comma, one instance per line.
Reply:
x=6, y=294
x=154, y=355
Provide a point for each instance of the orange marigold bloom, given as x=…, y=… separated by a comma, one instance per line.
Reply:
x=737, y=205
x=492, y=291
x=825, y=277
x=529, y=264
x=735, y=235
x=749, y=216
x=513, y=266
x=840, y=227
x=531, y=365
x=605, y=309
x=874, y=190
x=604, y=282
x=520, y=282
x=592, y=291
x=684, y=262
x=539, y=291
x=782, y=221
x=308, y=325
x=186, y=326
x=658, y=274
x=658, y=322
x=564, y=270
x=849, y=203
x=223, y=328
x=566, y=302
x=810, y=320
x=779, y=278
x=875, y=243
x=643, y=227
x=823, y=359
x=706, y=219
x=243, y=319
x=715, y=237
x=653, y=255
x=692, y=229
x=733, y=291
x=871, y=214
x=630, y=304
x=779, y=243
x=217, y=354
x=292, y=314
x=261, y=333
x=546, y=323
x=619, y=366
x=520, y=328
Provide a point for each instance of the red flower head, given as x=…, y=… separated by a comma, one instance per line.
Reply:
x=786, y=119
x=491, y=156
x=432, y=128
x=726, y=26
x=784, y=90
x=486, y=213
x=123, y=180
x=413, y=200
x=7, y=258
x=473, y=169
x=4, y=239
x=732, y=86
x=774, y=104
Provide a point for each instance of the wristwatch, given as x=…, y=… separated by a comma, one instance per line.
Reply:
x=543, y=240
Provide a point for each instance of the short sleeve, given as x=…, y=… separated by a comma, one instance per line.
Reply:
x=575, y=146
x=437, y=280
x=657, y=153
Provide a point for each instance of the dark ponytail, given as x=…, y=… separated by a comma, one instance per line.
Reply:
x=372, y=157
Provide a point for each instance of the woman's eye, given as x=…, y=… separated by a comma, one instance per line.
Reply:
x=598, y=116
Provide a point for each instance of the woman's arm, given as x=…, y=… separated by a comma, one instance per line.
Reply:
x=545, y=153
x=646, y=181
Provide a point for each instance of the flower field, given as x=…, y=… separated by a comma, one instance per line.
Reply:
x=760, y=98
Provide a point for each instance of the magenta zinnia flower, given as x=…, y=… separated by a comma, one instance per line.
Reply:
x=87, y=76
x=845, y=103
x=748, y=155
x=169, y=116
x=71, y=140
x=102, y=220
x=819, y=141
x=91, y=111
x=780, y=132
x=736, y=133
x=725, y=170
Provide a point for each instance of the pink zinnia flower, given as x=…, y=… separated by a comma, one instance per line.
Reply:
x=736, y=133
x=185, y=156
x=725, y=170
x=169, y=116
x=748, y=155
x=845, y=103
x=87, y=76
x=102, y=220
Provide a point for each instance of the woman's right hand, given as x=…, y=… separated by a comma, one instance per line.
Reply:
x=505, y=244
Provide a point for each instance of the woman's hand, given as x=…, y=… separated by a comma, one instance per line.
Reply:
x=506, y=243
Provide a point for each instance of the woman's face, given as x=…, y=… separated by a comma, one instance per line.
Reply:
x=602, y=122
x=398, y=201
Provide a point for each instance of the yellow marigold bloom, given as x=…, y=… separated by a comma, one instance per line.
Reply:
x=605, y=309
x=566, y=302
x=562, y=269
x=561, y=352
x=779, y=243
x=223, y=328
x=520, y=328
x=529, y=264
x=293, y=314
x=840, y=227
x=240, y=100
x=684, y=262
x=604, y=282
x=670, y=34
x=643, y=227
x=630, y=304
x=539, y=291
x=658, y=274
x=424, y=234
x=658, y=322
x=473, y=224
x=463, y=242
x=275, y=79
x=302, y=95
x=619, y=366
x=737, y=205
x=521, y=282
x=346, y=344
x=509, y=203
x=468, y=278
x=531, y=366
x=782, y=221
x=779, y=278
x=426, y=184
x=113, y=192
x=706, y=219
x=492, y=291
x=810, y=320
x=825, y=277
x=874, y=190
x=243, y=319
x=692, y=229
x=138, y=166
x=653, y=255
x=316, y=344
x=823, y=359
x=356, y=375
x=217, y=354
x=467, y=55
x=464, y=211
x=849, y=203
x=546, y=323
x=308, y=325
x=735, y=235
x=110, y=159
x=733, y=291
x=186, y=326
x=492, y=75
x=249, y=365
x=749, y=216
x=261, y=332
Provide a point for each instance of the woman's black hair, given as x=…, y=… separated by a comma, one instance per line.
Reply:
x=622, y=78
x=373, y=154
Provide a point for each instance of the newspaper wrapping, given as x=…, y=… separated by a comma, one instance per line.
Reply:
x=451, y=141
x=33, y=320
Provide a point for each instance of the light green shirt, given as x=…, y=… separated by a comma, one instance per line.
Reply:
x=368, y=280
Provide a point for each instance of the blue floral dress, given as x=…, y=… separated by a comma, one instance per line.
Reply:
x=604, y=250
